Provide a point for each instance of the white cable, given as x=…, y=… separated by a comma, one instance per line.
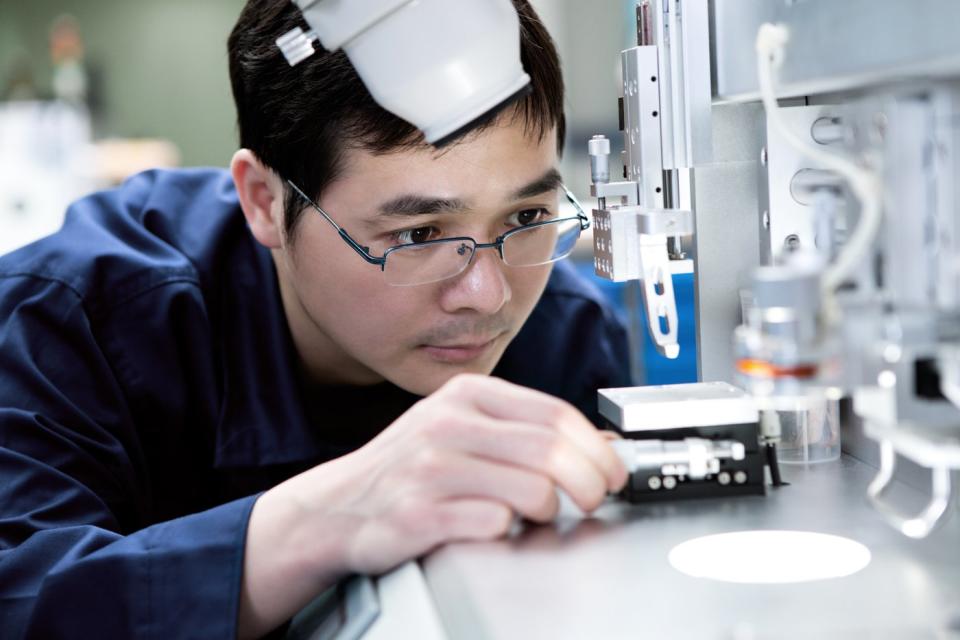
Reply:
x=865, y=185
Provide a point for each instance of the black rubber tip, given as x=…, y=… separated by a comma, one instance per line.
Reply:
x=775, y=478
x=484, y=118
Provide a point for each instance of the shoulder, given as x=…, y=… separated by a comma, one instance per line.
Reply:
x=159, y=226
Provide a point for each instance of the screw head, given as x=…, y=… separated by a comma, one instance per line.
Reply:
x=763, y=156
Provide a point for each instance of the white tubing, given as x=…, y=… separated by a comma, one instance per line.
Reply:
x=865, y=185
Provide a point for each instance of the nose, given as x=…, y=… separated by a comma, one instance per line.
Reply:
x=482, y=287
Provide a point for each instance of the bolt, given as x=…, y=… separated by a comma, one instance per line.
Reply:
x=669, y=482
x=654, y=482
x=766, y=219
x=723, y=478
x=763, y=157
x=740, y=477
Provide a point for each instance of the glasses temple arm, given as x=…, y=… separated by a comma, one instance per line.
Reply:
x=356, y=246
x=572, y=199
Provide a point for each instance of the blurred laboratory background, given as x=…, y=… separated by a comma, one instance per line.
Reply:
x=93, y=92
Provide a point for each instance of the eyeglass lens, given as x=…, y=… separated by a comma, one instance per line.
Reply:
x=413, y=264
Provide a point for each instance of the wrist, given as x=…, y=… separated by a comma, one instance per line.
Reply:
x=307, y=539
x=292, y=554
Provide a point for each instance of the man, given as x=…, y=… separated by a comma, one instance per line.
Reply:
x=221, y=393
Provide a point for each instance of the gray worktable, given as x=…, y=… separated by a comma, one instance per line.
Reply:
x=608, y=576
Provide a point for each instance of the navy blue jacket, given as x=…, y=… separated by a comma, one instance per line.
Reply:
x=149, y=391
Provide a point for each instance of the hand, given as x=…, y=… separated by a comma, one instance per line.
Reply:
x=460, y=463
x=457, y=466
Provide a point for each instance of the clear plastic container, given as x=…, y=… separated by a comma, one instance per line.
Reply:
x=809, y=431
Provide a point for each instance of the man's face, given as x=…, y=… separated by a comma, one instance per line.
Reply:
x=351, y=326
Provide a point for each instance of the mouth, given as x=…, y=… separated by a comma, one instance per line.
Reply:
x=460, y=353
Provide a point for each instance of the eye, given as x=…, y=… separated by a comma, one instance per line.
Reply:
x=529, y=216
x=416, y=235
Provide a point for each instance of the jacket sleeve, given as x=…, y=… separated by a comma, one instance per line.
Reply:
x=76, y=559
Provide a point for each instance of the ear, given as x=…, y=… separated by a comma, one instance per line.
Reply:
x=261, y=197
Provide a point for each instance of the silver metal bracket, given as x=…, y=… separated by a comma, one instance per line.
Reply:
x=627, y=191
x=658, y=296
x=630, y=243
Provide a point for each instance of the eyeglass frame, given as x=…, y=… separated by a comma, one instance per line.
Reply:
x=497, y=243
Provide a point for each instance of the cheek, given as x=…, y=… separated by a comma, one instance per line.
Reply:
x=350, y=301
x=527, y=284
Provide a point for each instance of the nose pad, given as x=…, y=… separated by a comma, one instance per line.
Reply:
x=477, y=256
x=464, y=248
x=482, y=286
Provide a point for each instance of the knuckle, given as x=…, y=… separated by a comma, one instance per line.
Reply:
x=569, y=413
x=557, y=412
x=418, y=519
x=458, y=383
x=449, y=419
x=542, y=497
x=551, y=443
x=594, y=501
x=556, y=452
x=501, y=520
x=462, y=383
x=429, y=465
x=430, y=429
x=594, y=494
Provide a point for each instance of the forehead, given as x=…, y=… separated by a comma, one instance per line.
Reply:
x=489, y=165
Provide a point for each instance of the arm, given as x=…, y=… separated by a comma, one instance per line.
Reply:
x=79, y=553
x=456, y=466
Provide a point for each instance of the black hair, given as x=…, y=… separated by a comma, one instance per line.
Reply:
x=299, y=120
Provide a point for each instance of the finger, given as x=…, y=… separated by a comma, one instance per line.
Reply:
x=473, y=519
x=545, y=451
x=596, y=447
x=504, y=400
x=530, y=494
x=501, y=399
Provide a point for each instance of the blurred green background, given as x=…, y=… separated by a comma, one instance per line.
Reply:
x=159, y=67
x=157, y=70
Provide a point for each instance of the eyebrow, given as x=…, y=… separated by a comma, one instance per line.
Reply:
x=415, y=205
x=546, y=183
x=418, y=205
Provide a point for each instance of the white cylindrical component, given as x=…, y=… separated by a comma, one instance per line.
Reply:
x=599, y=149
x=336, y=22
x=695, y=455
x=437, y=64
